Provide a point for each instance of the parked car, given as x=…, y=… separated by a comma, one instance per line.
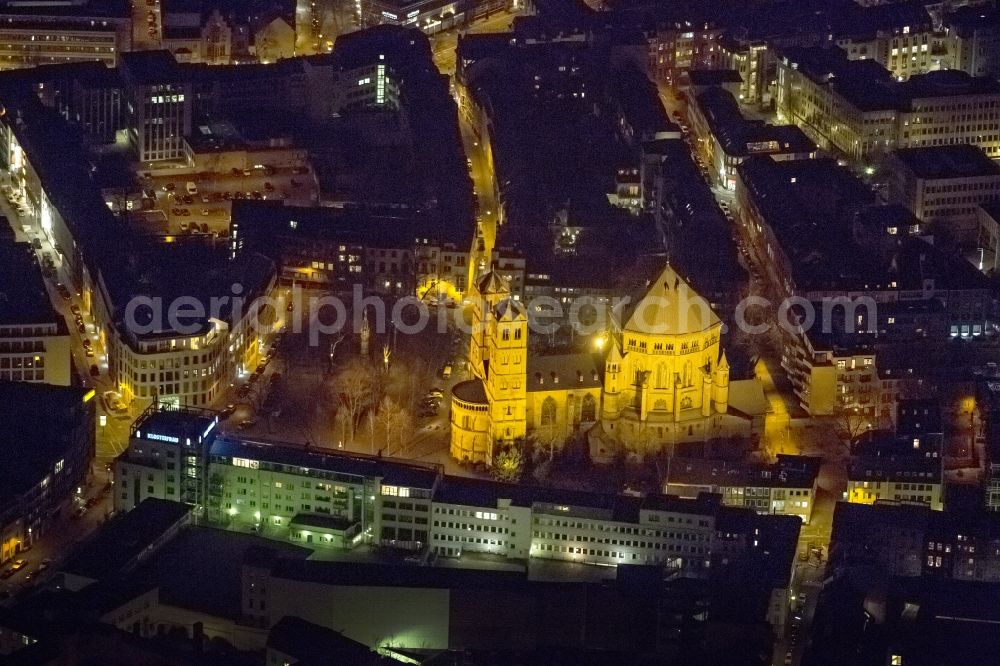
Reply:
x=95, y=371
x=17, y=565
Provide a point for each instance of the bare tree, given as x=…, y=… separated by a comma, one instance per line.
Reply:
x=396, y=421
x=851, y=422
x=357, y=389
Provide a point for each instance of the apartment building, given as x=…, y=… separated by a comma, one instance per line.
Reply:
x=786, y=487
x=40, y=479
x=943, y=186
x=678, y=46
x=386, y=251
x=34, y=339
x=904, y=464
x=800, y=220
x=913, y=540
x=972, y=39
x=900, y=37
x=725, y=138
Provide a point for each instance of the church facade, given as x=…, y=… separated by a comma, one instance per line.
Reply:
x=660, y=378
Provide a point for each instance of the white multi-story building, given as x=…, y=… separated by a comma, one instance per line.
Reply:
x=859, y=109
x=339, y=500
x=943, y=187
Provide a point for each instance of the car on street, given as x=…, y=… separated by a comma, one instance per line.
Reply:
x=446, y=371
x=7, y=572
x=228, y=411
x=81, y=329
x=17, y=565
x=436, y=393
x=243, y=425
x=88, y=352
x=95, y=372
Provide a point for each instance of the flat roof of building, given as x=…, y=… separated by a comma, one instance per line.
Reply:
x=812, y=206
x=966, y=20
x=310, y=643
x=23, y=296
x=75, y=8
x=713, y=77
x=788, y=472
x=50, y=414
x=962, y=160
x=183, y=423
x=624, y=508
x=740, y=137
x=391, y=471
x=128, y=538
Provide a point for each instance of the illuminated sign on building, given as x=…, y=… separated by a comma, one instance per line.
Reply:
x=162, y=438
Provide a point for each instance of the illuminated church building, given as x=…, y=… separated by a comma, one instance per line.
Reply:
x=664, y=378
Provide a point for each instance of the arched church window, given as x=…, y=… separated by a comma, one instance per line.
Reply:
x=588, y=410
x=548, y=411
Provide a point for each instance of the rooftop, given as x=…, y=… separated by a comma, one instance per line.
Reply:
x=868, y=86
x=191, y=424
x=941, y=162
x=740, y=137
x=23, y=296
x=55, y=417
x=812, y=205
x=471, y=391
x=787, y=472
x=396, y=472
x=129, y=538
x=75, y=9
x=966, y=20
x=554, y=372
x=669, y=307
x=713, y=77
x=310, y=643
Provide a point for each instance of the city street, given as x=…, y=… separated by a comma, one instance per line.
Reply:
x=443, y=43
x=63, y=535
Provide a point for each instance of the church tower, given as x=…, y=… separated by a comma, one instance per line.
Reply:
x=486, y=294
x=506, y=370
x=720, y=388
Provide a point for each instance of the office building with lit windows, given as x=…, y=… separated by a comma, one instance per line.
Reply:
x=944, y=186
x=332, y=499
x=46, y=33
x=856, y=107
x=46, y=447
x=159, y=105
